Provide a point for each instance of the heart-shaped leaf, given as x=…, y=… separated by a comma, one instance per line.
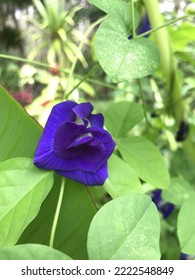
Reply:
x=119, y=10
x=127, y=228
x=123, y=59
x=23, y=187
x=31, y=252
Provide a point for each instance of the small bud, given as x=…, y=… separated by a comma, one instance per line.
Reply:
x=182, y=132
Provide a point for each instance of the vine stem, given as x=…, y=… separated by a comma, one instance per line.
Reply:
x=56, y=216
x=66, y=71
x=173, y=80
x=133, y=18
x=91, y=198
x=28, y=61
x=162, y=26
x=83, y=79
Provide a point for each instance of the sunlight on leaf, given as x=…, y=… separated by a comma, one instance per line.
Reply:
x=178, y=192
x=31, y=252
x=127, y=228
x=23, y=188
x=120, y=58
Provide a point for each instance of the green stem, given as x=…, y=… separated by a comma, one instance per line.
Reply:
x=56, y=216
x=83, y=79
x=169, y=67
x=66, y=71
x=33, y=62
x=162, y=26
x=173, y=82
x=91, y=198
x=133, y=18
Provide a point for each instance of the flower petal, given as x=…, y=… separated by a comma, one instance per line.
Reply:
x=52, y=162
x=94, y=152
x=64, y=135
x=73, y=149
x=96, y=120
x=60, y=113
x=76, y=148
x=83, y=110
x=86, y=178
x=86, y=158
x=104, y=137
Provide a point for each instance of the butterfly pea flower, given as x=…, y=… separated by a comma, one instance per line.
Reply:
x=143, y=27
x=75, y=144
x=163, y=206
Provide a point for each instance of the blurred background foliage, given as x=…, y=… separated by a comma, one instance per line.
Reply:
x=59, y=35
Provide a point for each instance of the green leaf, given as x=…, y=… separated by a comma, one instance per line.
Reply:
x=145, y=159
x=76, y=213
x=119, y=10
x=186, y=226
x=120, y=58
x=122, y=178
x=127, y=228
x=122, y=116
x=40, y=8
x=23, y=187
x=178, y=192
x=31, y=252
x=19, y=133
x=180, y=36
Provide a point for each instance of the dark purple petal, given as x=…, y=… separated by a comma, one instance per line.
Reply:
x=96, y=120
x=88, y=148
x=163, y=206
x=52, y=162
x=72, y=148
x=83, y=110
x=104, y=137
x=167, y=209
x=80, y=141
x=86, y=178
x=87, y=158
x=60, y=113
x=186, y=257
x=144, y=25
x=64, y=135
x=156, y=196
x=94, y=151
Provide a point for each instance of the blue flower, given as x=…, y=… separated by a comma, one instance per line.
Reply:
x=163, y=206
x=186, y=257
x=143, y=27
x=75, y=144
